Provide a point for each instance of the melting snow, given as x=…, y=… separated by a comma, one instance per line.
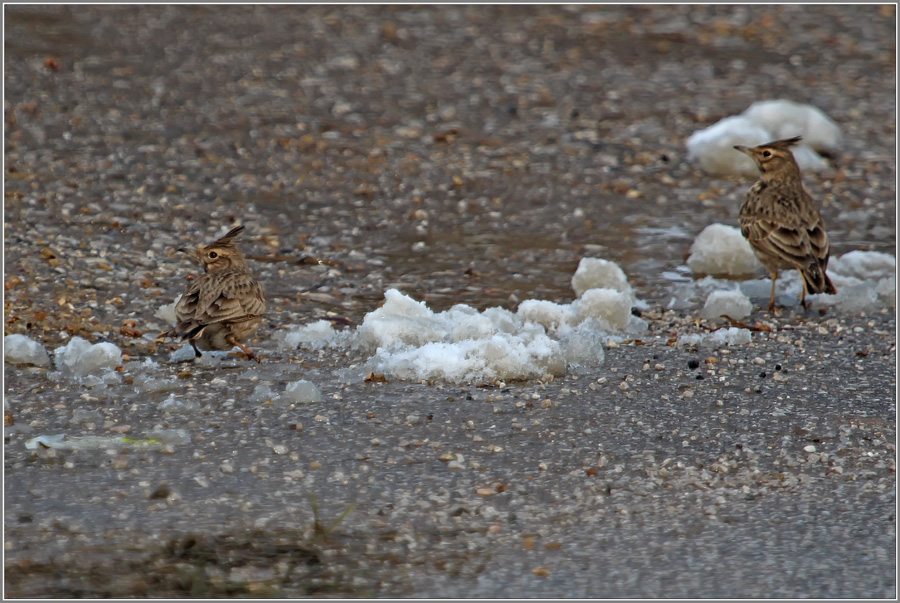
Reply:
x=407, y=340
x=784, y=119
x=729, y=336
x=732, y=303
x=313, y=336
x=722, y=250
x=866, y=280
x=80, y=358
x=412, y=342
x=167, y=312
x=19, y=349
x=764, y=121
x=297, y=392
x=302, y=392
x=597, y=273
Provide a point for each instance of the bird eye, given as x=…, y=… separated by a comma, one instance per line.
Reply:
x=766, y=153
x=212, y=255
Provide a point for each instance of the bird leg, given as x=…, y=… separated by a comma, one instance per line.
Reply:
x=250, y=355
x=772, y=297
x=197, y=353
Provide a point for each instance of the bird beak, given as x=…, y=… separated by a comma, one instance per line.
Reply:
x=742, y=149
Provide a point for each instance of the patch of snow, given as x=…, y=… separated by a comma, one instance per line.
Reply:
x=208, y=357
x=407, y=340
x=722, y=250
x=314, y=336
x=401, y=320
x=530, y=354
x=262, y=393
x=583, y=345
x=733, y=303
x=597, y=273
x=183, y=354
x=166, y=313
x=146, y=383
x=784, y=119
x=612, y=308
x=107, y=378
x=178, y=406
x=80, y=358
x=865, y=280
x=764, y=121
x=302, y=392
x=713, y=147
x=19, y=349
x=722, y=337
x=887, y=291
x=863, y=265
x=548, y=314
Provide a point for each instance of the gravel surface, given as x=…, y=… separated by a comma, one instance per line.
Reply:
x=460, y=154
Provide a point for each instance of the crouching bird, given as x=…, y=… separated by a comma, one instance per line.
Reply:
x=224, y=305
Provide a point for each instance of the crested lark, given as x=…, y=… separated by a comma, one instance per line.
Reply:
x=224, y=305
x=781, y=221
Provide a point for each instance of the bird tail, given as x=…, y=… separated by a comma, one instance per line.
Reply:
x=184, y=330
x=816, y=280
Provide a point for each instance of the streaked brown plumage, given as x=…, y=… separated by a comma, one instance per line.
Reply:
x=781, y=221
x=224, y=305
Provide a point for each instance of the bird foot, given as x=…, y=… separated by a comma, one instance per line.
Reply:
x=250, y=355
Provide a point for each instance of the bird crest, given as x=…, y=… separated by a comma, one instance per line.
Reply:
x=784, y=143
x=226, y=241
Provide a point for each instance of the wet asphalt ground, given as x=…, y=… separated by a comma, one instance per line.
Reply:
x=462, y=154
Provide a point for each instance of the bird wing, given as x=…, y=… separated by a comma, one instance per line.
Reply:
x=818, y=240
x=787, y=243
x=795, y=237
x=220, y=297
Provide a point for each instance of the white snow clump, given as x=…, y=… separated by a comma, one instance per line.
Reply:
x=597, y=273
x=314, y=336
x=297, y=392
x=713, y=147
x=262, y=393
x=411, y=342
x=764, y=121
x=729, y=336
x=19, y=349
x=183, y=354
x=722, y=250
x=732, y=303
x=863, y=265
x=178, y=406
x=866, y=281
x=80, y=358
x=461, y=345
x=302, y=392
x=167, y=312
x=611, y=308
x=784, y=119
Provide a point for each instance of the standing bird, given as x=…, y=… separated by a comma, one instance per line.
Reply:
x=224, y=305
x=781, y=221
